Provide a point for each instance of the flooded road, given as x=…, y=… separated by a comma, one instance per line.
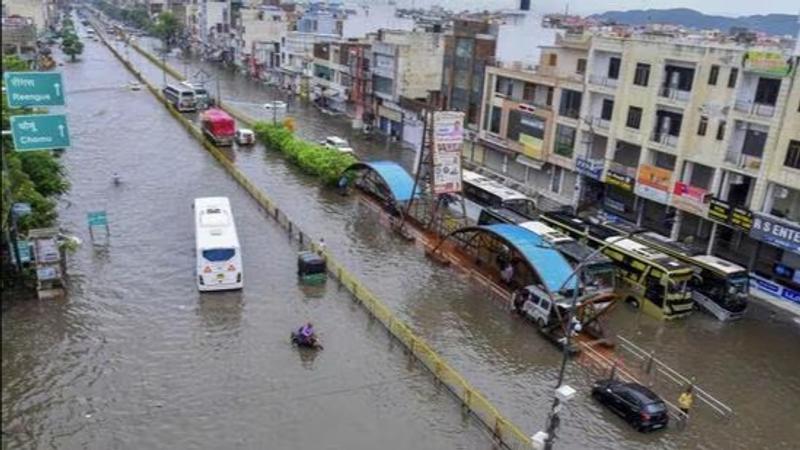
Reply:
x=137, y=358
x=118, y=336
x=752, y=365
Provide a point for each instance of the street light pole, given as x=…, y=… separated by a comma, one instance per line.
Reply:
x=553, y=420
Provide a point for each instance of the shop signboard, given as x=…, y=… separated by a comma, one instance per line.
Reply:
x=619, y=180
x=448, y=136
x=774, y=290
x=775, y=231
x=691, y=198
x=652, y=183
x=592, y=168
x=733, y=216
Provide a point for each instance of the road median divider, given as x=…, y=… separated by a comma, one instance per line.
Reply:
x=473, y=401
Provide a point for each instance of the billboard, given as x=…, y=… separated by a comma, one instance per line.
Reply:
x=448, y=136
x=769, y=63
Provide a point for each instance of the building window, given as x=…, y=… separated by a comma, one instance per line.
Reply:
x=552, y=59
x=634, y=117
x=382, y=85
x=793, y=155
x=703, y=127
x=570, y=103
x=523, y=126
x=581, y=69
x=721, y=130
x=642, y=75
x=494, y=125
x=713, y=75
x=613, y=68
x=607, y=109
x=732, y=77
x=555, y=181
x=565, y=140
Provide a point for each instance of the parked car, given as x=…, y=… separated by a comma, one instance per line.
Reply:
x=638, y=405
x=275, y=104
x=245, y=137
x=336, y=143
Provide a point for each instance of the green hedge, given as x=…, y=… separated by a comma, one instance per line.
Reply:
x=312, y=158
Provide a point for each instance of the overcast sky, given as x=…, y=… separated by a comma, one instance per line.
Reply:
x=720, y=7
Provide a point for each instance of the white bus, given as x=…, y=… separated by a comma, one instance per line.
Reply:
x=219, y=256
x=181, y=97
x=487, y=192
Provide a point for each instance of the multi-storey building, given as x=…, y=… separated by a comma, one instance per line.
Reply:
x=404, y=64
x=695, y=139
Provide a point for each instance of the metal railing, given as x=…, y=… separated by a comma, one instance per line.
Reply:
x=601, y=80
x=674, y=93
x=754, y=108
x=742, y=161
x=667, y=139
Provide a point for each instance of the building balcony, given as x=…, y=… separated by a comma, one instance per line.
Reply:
x=622, y=169
x=742, y=161
x=665, y=139
x=600, y=124
x=674, y=94
x=754, y=109
x=601, y=80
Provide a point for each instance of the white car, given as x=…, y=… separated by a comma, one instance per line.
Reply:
x=276, y=104
x=337, y=143
x=245, y=137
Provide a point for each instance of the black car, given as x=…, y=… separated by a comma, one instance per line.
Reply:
x=635, y=403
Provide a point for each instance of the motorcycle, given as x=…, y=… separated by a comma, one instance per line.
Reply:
x=300, y=341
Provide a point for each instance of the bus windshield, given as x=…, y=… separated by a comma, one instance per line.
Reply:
x=219, y=254
x=676, y=287
x=600, y=276
x=738, y=284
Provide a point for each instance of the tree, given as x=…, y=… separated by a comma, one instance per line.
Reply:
x=168, y=29
x=71, y=45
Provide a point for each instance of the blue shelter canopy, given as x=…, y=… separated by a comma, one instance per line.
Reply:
x=399, y=182
x=548, y=262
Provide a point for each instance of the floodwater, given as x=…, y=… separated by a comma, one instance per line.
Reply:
x=137, y=358
x=751, y=365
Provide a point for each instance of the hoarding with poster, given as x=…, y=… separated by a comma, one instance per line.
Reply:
x=448, y=136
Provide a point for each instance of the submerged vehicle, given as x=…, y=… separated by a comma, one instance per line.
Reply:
x=337, y=143
x=218, y=126
x=245, y=136
x=638, y=405
x=311, y=268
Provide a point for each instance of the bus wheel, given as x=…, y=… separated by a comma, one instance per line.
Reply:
x=540, y=322
x=633, y=302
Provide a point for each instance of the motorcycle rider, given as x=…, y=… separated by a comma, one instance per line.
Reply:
x=306, y=334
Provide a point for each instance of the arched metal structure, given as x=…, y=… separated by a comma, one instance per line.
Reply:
x=547, y=263
x=385, y=180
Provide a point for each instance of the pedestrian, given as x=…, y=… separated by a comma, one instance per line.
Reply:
x=321, y=246
x=685, y=401
x=507, y=273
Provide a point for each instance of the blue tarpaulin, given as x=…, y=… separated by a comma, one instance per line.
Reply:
x=548, y=262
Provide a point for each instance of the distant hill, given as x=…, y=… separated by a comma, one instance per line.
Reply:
x=774, y=24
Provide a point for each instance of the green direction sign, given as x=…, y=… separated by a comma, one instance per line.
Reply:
x=34, y=89
x=40, y=132
x=97, y=218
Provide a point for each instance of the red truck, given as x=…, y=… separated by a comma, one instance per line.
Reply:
x=218, y=126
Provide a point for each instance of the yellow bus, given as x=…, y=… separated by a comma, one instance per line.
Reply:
x=646, y=278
